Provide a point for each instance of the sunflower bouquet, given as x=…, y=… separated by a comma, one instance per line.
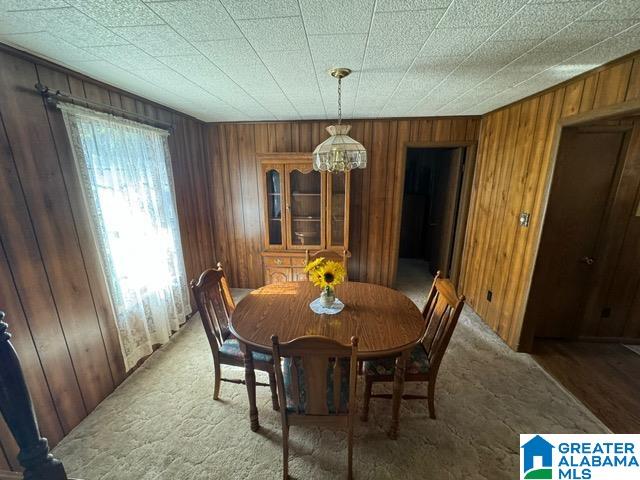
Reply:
x=326, y=274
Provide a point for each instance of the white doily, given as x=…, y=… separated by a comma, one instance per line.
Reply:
x=332, y=310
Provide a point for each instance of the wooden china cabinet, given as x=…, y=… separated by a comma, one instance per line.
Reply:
x=302, y=210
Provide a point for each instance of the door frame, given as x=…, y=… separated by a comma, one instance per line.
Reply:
x=460, y=242
x=621, y=110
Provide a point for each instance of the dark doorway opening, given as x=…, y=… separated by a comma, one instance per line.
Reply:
x=433, y=216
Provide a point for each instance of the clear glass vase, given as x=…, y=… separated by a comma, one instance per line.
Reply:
x=327, y=297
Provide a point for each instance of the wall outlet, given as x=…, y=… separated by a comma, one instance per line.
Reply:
x=524, y=219
x=489, y=295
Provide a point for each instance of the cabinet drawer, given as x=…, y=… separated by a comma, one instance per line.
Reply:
x=277, y=261
x=298, y=261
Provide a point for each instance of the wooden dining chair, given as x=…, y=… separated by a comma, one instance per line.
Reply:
x=216, y=305
x=335, y=255
x=440, y=315
x=317, y=379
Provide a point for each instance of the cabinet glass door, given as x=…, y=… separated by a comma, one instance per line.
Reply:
x=306, y=225
x=336, y=211
x=274, y=207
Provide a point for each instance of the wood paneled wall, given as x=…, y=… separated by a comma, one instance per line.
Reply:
x=515, y=155
x=50, y=283
x=376, y=193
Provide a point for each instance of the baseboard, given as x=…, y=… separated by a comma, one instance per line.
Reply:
x=628, y=341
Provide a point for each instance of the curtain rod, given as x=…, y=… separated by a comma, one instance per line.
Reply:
x=52, y=97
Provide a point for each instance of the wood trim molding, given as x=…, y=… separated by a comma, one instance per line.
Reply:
x=286, y=157
x=470, y=147
x=623, y=109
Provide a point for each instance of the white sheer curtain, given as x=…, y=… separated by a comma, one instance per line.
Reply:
x=125, y=171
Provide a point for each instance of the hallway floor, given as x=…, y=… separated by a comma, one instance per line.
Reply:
x=603, y=376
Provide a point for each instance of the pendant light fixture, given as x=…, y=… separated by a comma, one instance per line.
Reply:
x=339, y=152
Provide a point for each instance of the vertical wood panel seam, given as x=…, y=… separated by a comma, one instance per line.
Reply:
x=44, y=267
x=75, y=231
x=35, y=347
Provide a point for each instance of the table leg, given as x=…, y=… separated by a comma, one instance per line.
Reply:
x=398, y=388
x=250, y=380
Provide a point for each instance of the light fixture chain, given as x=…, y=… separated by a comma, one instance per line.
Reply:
x=339, y=100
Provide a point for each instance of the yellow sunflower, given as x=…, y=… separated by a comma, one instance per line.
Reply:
x=329, y=274
x=313, y=264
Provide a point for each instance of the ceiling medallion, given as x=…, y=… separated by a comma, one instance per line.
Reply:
x=339, y=152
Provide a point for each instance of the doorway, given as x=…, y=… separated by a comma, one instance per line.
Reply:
x=586, y=282
x=584, y=300
x=433, y=214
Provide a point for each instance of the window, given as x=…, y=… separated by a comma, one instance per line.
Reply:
x=125, y=172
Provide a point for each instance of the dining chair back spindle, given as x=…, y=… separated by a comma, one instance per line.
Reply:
x=316, y=377
x=215, y=306
x=440, y=314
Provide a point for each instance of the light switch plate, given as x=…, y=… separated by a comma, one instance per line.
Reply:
x=524, y=219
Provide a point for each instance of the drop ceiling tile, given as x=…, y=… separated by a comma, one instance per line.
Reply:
x=109, y=73
x=449, y=42
x=270, y=34
x=378, y=83
x=156, y=40
x=403, y=27
x=22, y=22
x=168, y=80
x=391, y=56
x=198, y=20
x=541, y=20
x=117, y=13
x=421, y=78
x=337, y=16
x=289, y=62
x=49, y=46
x=127, y=57
x=330, y=51
x=66, y=23
x=245, y=9
x=257, y=75
x=206, y=75
x=399, y=5
x=495, y=55
x=581, y=35
x=293, y=71
x=269, y=69
x=190, y=64
x=224, y=53
x=609, y=49
x=78, y=29
x=471, y=13
x=8, y=5
x=615, y=10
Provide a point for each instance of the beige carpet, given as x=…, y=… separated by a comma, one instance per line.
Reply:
x=162, y=423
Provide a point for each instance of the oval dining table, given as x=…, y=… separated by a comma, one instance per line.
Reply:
x=386, y=323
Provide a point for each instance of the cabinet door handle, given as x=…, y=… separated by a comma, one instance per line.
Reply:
x=278, y=261
x=588, y=260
